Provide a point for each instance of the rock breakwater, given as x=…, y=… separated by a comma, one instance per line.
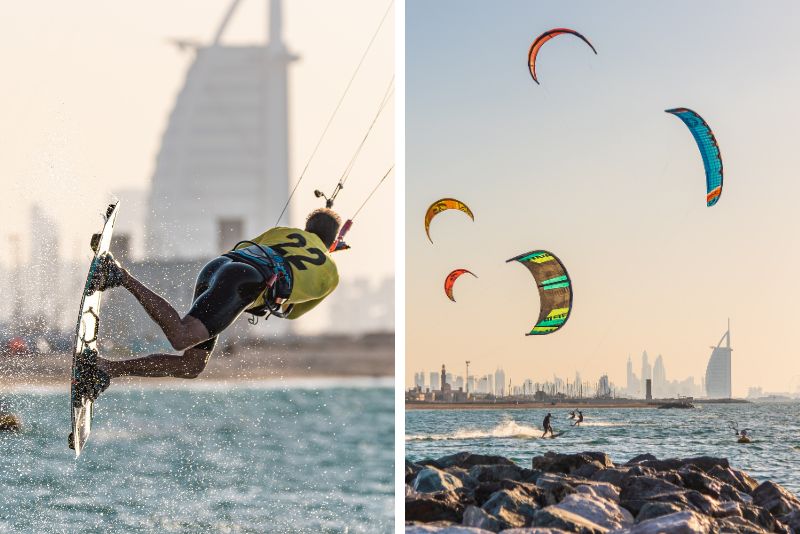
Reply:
x=468, y=493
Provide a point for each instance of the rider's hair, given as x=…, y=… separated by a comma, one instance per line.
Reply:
x=324, y=222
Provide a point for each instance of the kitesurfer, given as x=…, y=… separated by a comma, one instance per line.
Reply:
x=546, y=425
x=580, y=419
x=572, y=414
x=286, y=271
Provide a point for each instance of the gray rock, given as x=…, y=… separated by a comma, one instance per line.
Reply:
x=656, y=509
x=704, y=463
x=603, y=512
x=775, y=499
x=614, y=475
x=554, y=487
x=433, y=507
x=728, y=509
x=600, y=490
x=411, y=470
x=511, y=507
x=478, y=518
x=483, y=492
x=553, y=517
x=533, y=530
x=792, y=520
x=603, y=458
x=496, y=473
x=449, y=529
x=553, y=462
x=647, y=488
x=738, y=479
x=467, y=460
x=432, y=480
x=685, y=522
x=738, y=525
x=758, y=516
x=641, y=458
x=467, y=480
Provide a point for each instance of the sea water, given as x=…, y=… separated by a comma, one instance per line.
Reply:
x=223, y=457
x=623, y=433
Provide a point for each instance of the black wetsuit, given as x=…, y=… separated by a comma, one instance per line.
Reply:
x=546, y=425
x=228, y=285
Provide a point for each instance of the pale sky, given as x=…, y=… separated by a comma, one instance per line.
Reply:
x=588, y=166
x=87, y=89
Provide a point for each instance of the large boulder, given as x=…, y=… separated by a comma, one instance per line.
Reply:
x=553, y=517
x=466, y=460
x=698, y=480
x=738, y=525
x=555, y=487
x=433, y=507
x=641, y=458
x=647, y=488
x=656, y=509
x=498, y=472
x=432, y=480
x=599, y=490
x=411, y=471
x=792, y=520
x=775, y=499
x=705, y=463
x=685, y=522
x=479, y=518
x=553, y=462
x=511, y=507
x=603, y=512
x=738, y=479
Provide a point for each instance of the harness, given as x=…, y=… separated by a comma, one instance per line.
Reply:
x=278, y=272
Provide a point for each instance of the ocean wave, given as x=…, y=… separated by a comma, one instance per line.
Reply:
x=508, y=429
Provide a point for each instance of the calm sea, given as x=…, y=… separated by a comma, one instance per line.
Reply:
x=773, y=455
x=260, y=457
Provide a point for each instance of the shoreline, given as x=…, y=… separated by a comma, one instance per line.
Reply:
x=525, y=405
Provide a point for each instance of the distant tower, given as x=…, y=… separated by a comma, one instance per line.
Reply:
x=434, y=381
x=467, y=375
x=647, y=372
x=659, y=377
x=500, y=383
x=222, y=171
x=718, y=372
x=631, y=385
x=444, y=378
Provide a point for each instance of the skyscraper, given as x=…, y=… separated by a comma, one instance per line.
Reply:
x=632, y=384
x=659, y=378
x=434, y=381
x=647, y=371
x=718, y=372
x=500, y=383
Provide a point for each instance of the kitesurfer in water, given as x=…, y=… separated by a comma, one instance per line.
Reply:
x=546, y=425
x=286, y=271
x=580, y=419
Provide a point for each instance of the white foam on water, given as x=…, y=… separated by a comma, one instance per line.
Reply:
x=506, y=429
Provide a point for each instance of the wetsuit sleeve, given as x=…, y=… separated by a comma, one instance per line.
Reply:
x=302, y=307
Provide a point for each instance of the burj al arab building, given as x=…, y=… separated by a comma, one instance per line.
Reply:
x=718, y=371
x=222, y=173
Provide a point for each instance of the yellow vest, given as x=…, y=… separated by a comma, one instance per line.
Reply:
x=314, y=274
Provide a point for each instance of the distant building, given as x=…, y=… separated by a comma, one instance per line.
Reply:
x=659, y=378
x=603, y=387
x=647, y=371
x=419, y=380
x=718, y=371
x=222, y=171
x=632, y=383
x=500, y=383
x=434, y=381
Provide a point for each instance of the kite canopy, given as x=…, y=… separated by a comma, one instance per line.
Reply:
x=451, y=280
x=444, y=205
x=555, y=290
x=709, y=149
x=533, y=52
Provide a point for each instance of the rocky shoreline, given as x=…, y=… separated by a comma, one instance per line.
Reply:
x=468, y=493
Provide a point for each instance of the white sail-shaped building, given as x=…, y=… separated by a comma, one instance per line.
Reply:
x=718, y=371
x=222, y=172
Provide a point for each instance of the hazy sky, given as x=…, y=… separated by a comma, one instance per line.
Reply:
x=589, y=166
x=87, y=89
